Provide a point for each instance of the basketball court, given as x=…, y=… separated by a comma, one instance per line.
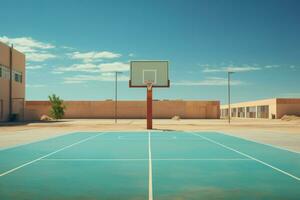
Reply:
x=148, y=165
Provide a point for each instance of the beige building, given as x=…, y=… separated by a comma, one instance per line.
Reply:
x=265, y=109
x=12, y=83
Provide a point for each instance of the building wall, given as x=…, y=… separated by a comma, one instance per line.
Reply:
x=18, y=89
x=269, y=102
x=277, y=107
x=288, y=107
x=128, y=109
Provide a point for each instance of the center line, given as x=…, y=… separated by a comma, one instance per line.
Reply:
x=150, y=167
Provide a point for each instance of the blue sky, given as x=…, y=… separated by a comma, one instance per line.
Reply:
x=72, y=46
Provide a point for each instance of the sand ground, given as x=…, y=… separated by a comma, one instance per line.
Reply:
x=284, y=134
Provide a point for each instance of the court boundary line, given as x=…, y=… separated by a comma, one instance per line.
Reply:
x=150, y=186
x=146, y=159
x=251, y=140
x=258, y=142
x=248, y=156
x=49, y=154
x=37, y=141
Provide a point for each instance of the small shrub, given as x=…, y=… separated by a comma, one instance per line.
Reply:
x=57, y=107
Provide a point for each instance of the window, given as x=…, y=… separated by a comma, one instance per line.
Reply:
x=17, y=76
x=241, y=112
x=5, y=74
x=251, y=112
x=263, y=111
x=224, y=112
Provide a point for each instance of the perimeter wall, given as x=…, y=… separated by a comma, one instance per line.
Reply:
x=165, y=109
x=288, y=107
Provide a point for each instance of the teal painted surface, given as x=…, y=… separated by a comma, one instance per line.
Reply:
x=181, y=145
x=60, y=177
x=77, y=180
x=228, y=180
x=13, y=157
x=111, y=146
x=282, y=159
x=222, y=179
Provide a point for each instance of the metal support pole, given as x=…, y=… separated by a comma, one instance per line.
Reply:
x=149, y=108
x=116, y=97
x=229, y=107
x=10, y=81
x=229, y=111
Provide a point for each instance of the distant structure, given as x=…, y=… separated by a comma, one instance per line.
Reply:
x=12, y=83
x=264, y=109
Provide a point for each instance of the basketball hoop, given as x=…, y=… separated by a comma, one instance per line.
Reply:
x=149, y=85
x=149, y=74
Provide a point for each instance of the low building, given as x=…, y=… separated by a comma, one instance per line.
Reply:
x=12, y=83
x=264, y=109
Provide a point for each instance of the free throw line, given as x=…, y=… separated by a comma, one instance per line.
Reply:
x=49, y=154
x=248, y=156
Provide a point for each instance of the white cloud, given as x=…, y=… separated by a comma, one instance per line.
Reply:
x=26, y=44
x=39, y=57
x=67, y=47
x=57, y=72
x=293, y=67
x=231, y=69
x=34, y=85
x=209, y=81
x=204, y=65
x=86, y=67
x=35, y=51
x=34, y=67
x=101, y=77
x=271, y=66
x=95, y=68
x=131, y=55
x=114, y=67
x=93, y=56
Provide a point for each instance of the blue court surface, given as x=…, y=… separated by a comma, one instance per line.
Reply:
x=148, y=165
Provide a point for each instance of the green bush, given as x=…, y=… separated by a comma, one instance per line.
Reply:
x=57, y=107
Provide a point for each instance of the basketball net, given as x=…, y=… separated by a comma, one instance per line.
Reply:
x=149, y=85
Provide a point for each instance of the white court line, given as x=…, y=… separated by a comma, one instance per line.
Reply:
x=248, y=156
x=145, y=159
x=96, y=159
x=49, y=154
x=38, y=141
x=201, y=159
x=258, y=142
x=253, y=140
x=150, y=167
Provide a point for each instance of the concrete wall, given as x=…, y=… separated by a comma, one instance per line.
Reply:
x=128, y=109
x=288, y=107
x=18, y=89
